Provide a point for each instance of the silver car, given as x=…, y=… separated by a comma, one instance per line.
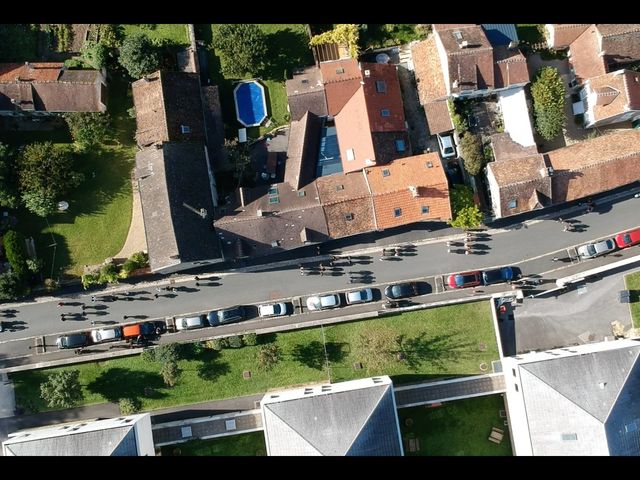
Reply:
x=322, y=302
x=359, y=296
x=272, y=310
x=189, y=323
x=106, y=335
x=592, y=250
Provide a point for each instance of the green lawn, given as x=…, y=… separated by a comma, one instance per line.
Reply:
x=288, y=48
x=174, y=32
x=458, y=428
x=632, y=282
x=97, y=222
x=243, y=445
x=388, y=35
x=441, y=342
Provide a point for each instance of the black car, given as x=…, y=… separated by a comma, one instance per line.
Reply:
x=73, y=340
x=226, y=315
x=497, y=275
x=401, y=290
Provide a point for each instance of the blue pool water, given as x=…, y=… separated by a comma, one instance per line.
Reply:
x=251, y=108
x=329, y=161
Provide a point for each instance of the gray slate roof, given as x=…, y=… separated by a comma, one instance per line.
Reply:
x=169, y=178
x=594, y=395
x=358, y=422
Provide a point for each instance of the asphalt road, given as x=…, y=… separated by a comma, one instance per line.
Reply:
x=529, y=246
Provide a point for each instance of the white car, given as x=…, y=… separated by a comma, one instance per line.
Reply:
x=359, y=296
x=189, y=323
x=272, y=310
x=592, y=250
x=106, y=335
x=322, y=302
x=447, y=148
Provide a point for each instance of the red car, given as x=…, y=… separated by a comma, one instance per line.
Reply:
x=463, y=280
x=626, y=239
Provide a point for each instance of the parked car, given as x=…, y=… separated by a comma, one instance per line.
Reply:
x=595, y=249
x=273, y=310
x=226, y=315
x=463, y=280
x=359, y=296
x=190, y=323
x=627, y=239
x=401, y=290
x=323, y=302
x=146, y=329
x=106, y=335
x=447, y=148
x=497, y=275
x=73, y=340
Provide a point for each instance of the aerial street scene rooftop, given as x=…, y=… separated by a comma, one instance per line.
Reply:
x=320, y=240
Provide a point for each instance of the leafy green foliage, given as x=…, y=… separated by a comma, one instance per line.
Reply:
x=87, y=129
x=471, y=150
x=459, y=121
x=8, y=179
x=235, y=341
x=343, y=34
x=12, y=286
x=169, y=352
x=16, y=252
x=109, y=273
x=129, y=406
x=39, y=203
x=109, y=35
x=139, y=56
x=170, y=373
x=548, y=103
x=62, y=34
x=18, y=42
x=242, y=48
x=95, y=54
x=250, y=339
x=62, y=389
x=268, y=356
x=140, y=259
x=216, y=344
x=89, y=279
x=466, y=213
x=461, y=197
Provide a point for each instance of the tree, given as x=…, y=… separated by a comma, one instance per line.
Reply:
x=268, y=356
x=376, y=347
x=12, y=286
x=139, y=56
x=48, y=170
x=8, y=180
x=39, y=203
x=109, y=35
x=471, y=150
x=62, y=389
x=239, y=155
x=129, y=406
x=95, y=54
x=468, y=217
x=242, y=48
x=87, y=129
x=170, y=373
x=16, y=251
x=548, y=102
x=343, y=34
x=109, y=273
x=235, y=341
x=166, y=353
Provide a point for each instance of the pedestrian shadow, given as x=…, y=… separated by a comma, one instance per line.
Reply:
x=208, y=284
x=10, y=313
x=95, y=307
x=15, y=325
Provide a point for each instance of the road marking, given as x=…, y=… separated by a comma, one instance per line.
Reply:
x=440, y=284
x=574, y=258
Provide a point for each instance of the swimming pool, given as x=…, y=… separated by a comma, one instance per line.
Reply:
x=251, y=105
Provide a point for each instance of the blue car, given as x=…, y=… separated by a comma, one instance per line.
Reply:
x=497, y=275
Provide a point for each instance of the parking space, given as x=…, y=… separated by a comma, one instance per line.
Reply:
x=584, y=314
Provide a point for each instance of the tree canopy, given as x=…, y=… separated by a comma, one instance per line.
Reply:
x=8, y=180
x=62, y=389
x=471, y=150
x=466, y=213
x=242, y=48
x=12, y=286
x=548, y=102
x=139, y=56
x=87, y=129
x=342, y=34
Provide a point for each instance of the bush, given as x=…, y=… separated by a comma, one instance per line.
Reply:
x=250, y=339
x=50, y=284
x=62, y=389
x=459, y=121
x=169, y=352
x=471, y=150
x=39, y=203
x=89, y=279
x=12, y=286
x=129, y=406
x=109, y=273
x=548, y=92
x=195, y=349
x=87, y=128
x=216, y=344
x=139, y=56
x=235, y=341
x=148, y=355
x=170, y=373
x=268, y=356
x=127, y=268
x=131, y=112
x=140, y=259
x=16, y=251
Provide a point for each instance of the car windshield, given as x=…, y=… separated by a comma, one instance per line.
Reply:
x=627, y=238
x=448, y=150
x=276, y=309
x=328, y=300
x=591, y=249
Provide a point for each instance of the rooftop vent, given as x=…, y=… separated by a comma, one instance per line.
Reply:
x=513, y=44
x=369, y=163
x=185, y=129
x=463, y=44
x=601, y=385
x=259, y=212
x=386, y=172
x=348, y=216
x=367, y=73
x=414, y=190
x=304, y=80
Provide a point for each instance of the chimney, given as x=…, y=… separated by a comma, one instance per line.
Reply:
x=414, y=191
x=259, y=212
x=513, y=44
x=463, y=44
x=26, y=64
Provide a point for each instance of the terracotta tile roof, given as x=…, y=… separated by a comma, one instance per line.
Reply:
x=164, y=102
x=389, y=99
x=428, y=71
x=302, y=151
x=30, y=72
x=504, y=148
x=596, y=165
x=510, y=67
x=620, y=42
x=616, y=93
x=354, y=134
x=69, y=97
x=524, y=180
x=565, y=33
x=438, y=117
x=384, y=144
x=305, y=92
x=584, y=55
x=340, y=87
x=439, y=27
x=393, y=190
x=350, y=217
x=340, y=188
x=470, y=64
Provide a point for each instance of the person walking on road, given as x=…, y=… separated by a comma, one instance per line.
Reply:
x=555, y=259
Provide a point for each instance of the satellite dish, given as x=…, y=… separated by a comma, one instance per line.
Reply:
x=382, y=58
